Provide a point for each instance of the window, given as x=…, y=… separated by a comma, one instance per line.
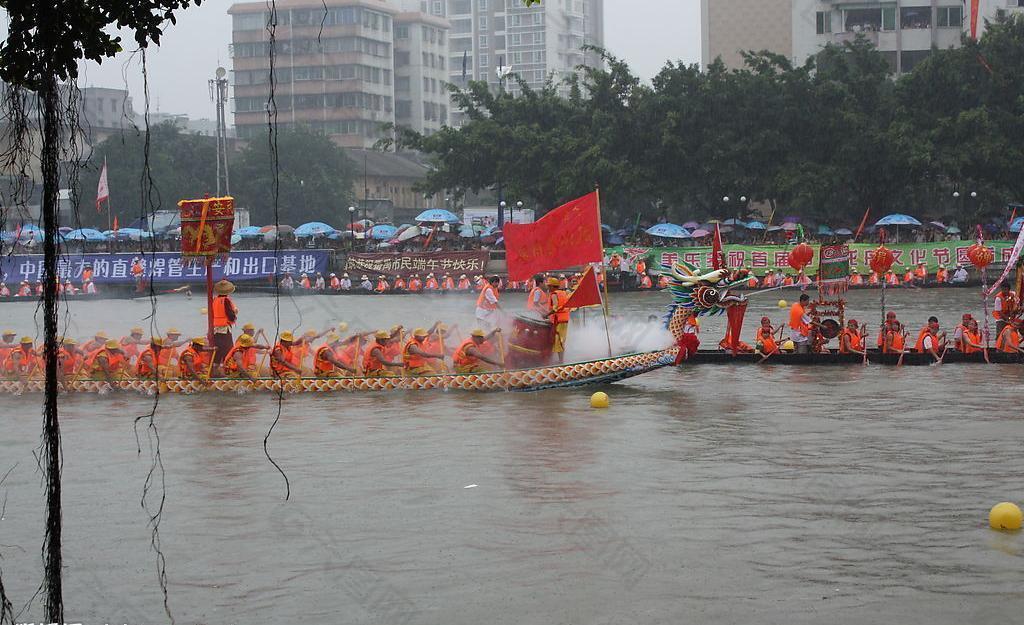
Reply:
x=485, y=62
x=499, y=23
x=483, y=42
x=426, y=61
x=462, y=26
x=911, y=58
x=426, y=84
x=402, y=58
x=461, y=44
x=824, y=22
x=952, y=17
x=250, y=21
x=499, y=42
x=889, y=18
x=437, y=8
x=403, y=108
x=460, y=7
x=402, y=83
x=401, y=32
x=517, y=39
x=915, y=17
x=482, y=5
x=483, y=22
x=440, y=62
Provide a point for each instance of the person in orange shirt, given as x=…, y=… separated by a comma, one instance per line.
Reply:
x=1009, y=339
x=327, y=360
x=23, y=361
x=419, y=359
x=7, y=345
x=972, y=341
x=942, y=275
x=148, y=365
x=399, y=284
x=873, y=279
x=538, y=301
x=447, y=283
x=960, y=331
x=69, y=358
x=921, y=274
x=764, y=338
x=800, y=324
x=108, y=363
x=304, y=282
x=802, y=279
x=241, y=359
x=382, y=285
x=334, y=283
x=856, y=279
x=645, y=281
x=908, y=277
x=195, y=361
x=98, y=341
x=895, y=339
x=285, y=359
x=431, y=283
x=415, y=284
x=641, y=266
x=890, y=318
x=475, y=353
x=463, y=283
x=768, y=281
x=891, y=278
x=851, y=341
x=376, y=363
x=130, y=345
x=225, y=314
x=930, y=341
x=615, y=262
x=752, y=281
x=788, y=280
x=487, y=307
x=558, y=316
x=1004, y=306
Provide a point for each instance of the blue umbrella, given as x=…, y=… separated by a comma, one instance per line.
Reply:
x=844, y=231
x=85, y=234
x=734, y=222
x=824, y=229
x=467, y=232
x=1017, y=224
x=756, y=225
x=249, y=232
x=491, y=231
x=314, y=229
x=236, y=238
x=614, y=239
x=897, y=219
x=134, y=234
x=669, y=231
x=437, y=215
x=382, y=232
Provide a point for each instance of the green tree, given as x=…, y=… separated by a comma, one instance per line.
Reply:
x=315, y=178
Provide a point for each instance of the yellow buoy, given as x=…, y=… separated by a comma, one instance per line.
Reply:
x=788, y=346
x=599, y=400
x=342, y=326
x=783, y=303
x=1005, y=516
x=202, y=311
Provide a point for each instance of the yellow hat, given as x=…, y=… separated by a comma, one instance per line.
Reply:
x=136, y=330
x=199, y=340
x=69, y=341
x=112, y=344
x=248, y=326
x=156, y=340
x=9, y=333
x=442, y=327
x=342, y=326
x=478, y=332
x=101, y=335
x=171, y=331
x=395, y=328
x=333, y=338
x=224, y=288
x=26, y=340
x=419, y=332
x=382, y=334
x=287, y=336
x=310, y=333
x=245, y=340
x=553, y=281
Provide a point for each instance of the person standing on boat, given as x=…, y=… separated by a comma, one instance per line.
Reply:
x=851, y=341
x=558, y=315
x=475, y=353
x=1004, y=306
x=487, y=308
x=225, y=314
x=538, y=301
x=800, y=324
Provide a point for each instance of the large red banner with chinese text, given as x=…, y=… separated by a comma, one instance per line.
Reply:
x=206, y=226
x=568, y=236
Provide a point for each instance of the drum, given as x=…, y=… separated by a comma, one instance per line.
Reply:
x=530, y=343
x=830, y=328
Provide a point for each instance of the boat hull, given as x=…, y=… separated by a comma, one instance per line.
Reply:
x=833, y=358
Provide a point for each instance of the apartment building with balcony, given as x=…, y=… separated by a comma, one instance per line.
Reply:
x=421, y=71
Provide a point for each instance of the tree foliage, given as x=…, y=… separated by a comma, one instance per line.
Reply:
x=831, y=138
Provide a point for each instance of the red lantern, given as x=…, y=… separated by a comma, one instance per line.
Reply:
x=800, y=256
x=882, y=260
x=980, y=255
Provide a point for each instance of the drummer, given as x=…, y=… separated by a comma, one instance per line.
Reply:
x=558, y=315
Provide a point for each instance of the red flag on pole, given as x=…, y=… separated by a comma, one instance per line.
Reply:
x=102, y=189
x=586, y=292
x=115, y=226
x=717, y=255
x=569, y=235
x=974, y=19
x=863, y=222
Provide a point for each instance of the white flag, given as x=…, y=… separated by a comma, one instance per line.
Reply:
x=102, y=190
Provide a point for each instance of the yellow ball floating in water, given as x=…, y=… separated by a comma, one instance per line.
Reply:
x=783, y=303
x=1005, y=516
x=788, y=346
x=599, y=400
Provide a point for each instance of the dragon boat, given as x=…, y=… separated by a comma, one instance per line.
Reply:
x=718, y=357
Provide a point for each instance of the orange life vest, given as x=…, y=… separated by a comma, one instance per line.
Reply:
x=131, y=349
x=415, y=285
x=788, y=281
x=1007, y=305
x=919, y=344
x=873, y=278
x=320, y=363
x=482, y=301
x=382, y=285
x=347, y=354
x=892, y=279
x=1009, y=340
x=645, y=281
x=856, y=280
x=896, y=341
x=909, y=276
x=974, y=337
x=543, y=300
x=431, y=284
x=854, y=340
x=115, y=361
x=221, y=315
x=768, y=280
x=752, y=282
x=921, y=272
x=27, y=362
x=766, y=337
x=291, y=355
x=304, y=282
x=641, y=267
x=559, y=314
x=411, y=360
x=463, y=359
x=448, y=283
x=142, y=368
x=5, y=351
x=796, y=319
x=371, y=362
x=248, y=359
x=942, y=275
x=464, y=284
x=200, y=360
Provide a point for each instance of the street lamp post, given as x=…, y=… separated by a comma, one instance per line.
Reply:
x=519, y=205
x=352, y=227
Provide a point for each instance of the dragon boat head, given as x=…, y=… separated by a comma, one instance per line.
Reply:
x=702, y=294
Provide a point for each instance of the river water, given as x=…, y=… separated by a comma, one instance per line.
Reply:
x=715, y=494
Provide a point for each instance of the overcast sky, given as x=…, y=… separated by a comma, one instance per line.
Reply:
x=645, y=33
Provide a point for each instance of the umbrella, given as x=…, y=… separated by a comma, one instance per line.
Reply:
x=756, y=225
x=824, y=229
x=774, y=228
x=235, y=239
x=64, y=229
x=699, y=233
x=897, y=219
x=438, y=215
x=844, y=231
x=691, y=225
x=1015, y=226
x=249, y=232
x=614, y=239
x=135, y=234
x=283, y=228
x=382, y=232
x=85, y=234
x=668, y=231
x=952, y=230
x=409, y=233
x=467, y=232
x=938, y=225
x=735, y=222
x=606, y=227
x=725, y=229
x=789, y=225
x=491, y=231
x=314, y=229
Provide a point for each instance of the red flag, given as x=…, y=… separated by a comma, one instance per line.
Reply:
x=102, y=189
x=586, y=292
x=569, y=235
x=717, y=255
x=863, y=222
x=974, y=19
x=115, y=224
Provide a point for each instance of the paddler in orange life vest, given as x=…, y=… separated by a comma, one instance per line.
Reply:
x=921, y=273
x=752, y=281
x=487, y=307
x=169, y=352
x=415, y=284
x=304, y=282
x=895, y=339
x=856, y=279
x=23, y=361
x=538, y=301
x=788, y=280
x=558, y=316
x=873, y=279
x=130, y=345
x=148, y=365
x=225, y=313
x=419, y=359
x=475, y=353
x=908, y=276
x=930, y=341
x=375, y=360
x=98, y=341
x=194, y=361
x=942, y=275
x=463, y=283
x=327, y=361
x=768, y=280
x=241, y=359
x=1008, y=340
x=1004, y=306
x=7, y=345
x=764, y=338
x=285, y=360
x=334, y=283
x=890, y=318
x=891, y=278
x=109, y=363
x=851, y=341
x=69, y=358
